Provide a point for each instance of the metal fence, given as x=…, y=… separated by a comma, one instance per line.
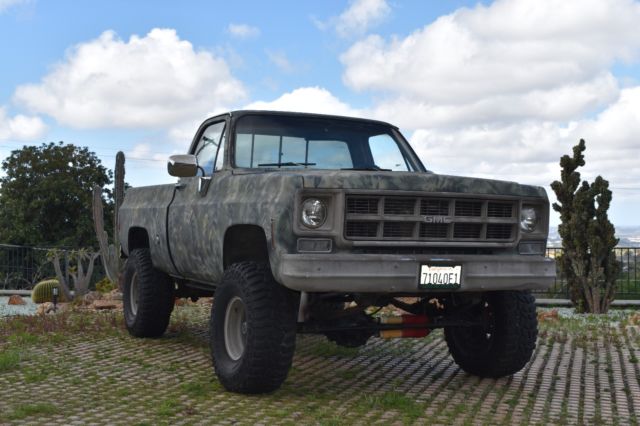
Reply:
x=628, y=283
x=23, y=267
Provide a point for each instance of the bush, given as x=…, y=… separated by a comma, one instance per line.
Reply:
x=105, y=285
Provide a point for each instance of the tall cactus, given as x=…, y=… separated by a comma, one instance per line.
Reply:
x=109, y=252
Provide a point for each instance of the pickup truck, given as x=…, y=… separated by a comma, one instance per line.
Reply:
x=306, y=223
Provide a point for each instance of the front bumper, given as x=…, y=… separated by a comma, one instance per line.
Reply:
x=374, y=273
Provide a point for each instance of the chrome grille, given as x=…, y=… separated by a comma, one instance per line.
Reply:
x=428, y=218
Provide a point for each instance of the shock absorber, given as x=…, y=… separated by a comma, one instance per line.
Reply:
x=404, y=332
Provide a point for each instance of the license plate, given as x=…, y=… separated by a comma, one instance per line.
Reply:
x=434, y=277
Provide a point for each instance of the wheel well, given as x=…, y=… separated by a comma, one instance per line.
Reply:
x=138, y=238
x=245, y=242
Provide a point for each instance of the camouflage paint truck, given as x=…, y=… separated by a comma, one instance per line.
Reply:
x=304, y=223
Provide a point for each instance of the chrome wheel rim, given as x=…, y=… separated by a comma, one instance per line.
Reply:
x=235, y=328
x=133, y=294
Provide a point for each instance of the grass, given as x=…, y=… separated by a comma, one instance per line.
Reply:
x=326, y=349
x=408, y=409
x=9, y=360
x=169, y=408
x=23, y=411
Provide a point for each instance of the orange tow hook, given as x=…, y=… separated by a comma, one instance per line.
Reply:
x=406, y=332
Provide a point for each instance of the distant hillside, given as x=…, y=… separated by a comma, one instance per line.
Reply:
x=629, y=236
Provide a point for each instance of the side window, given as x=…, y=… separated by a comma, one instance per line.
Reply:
x=207, y=147
x=386, y=154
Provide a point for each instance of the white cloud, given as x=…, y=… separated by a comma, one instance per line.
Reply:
x=243, y=30
x=157, y=80
x=529, y=152
x=6, y=4
x=307, y=99
x=509, y=60
x=20, y=127
x=359, y=17
x=280, y=60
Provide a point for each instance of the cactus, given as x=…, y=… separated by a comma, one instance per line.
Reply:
x=76, y=274
x=109, y=252
x=43, y=291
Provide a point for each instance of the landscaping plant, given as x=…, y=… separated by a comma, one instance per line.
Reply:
x=80, y=277
x=43, y=291
x=113, y=265
x=588, y=261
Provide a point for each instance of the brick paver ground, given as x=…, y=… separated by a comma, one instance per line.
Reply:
x=572, y=379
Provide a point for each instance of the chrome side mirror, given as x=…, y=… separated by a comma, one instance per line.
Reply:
x=183, y=165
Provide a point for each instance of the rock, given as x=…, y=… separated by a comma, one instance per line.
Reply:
x=548, y=316
x=91, y=297
x=113, y=295
x=16, y=300
x=48, y=308
x=45, y=308
x=105, y=304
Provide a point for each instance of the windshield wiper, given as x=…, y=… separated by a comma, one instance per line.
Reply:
x=288, y=164
x=368, y=168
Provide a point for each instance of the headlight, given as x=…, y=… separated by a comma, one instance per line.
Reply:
x=528, y=218
x=314, y=213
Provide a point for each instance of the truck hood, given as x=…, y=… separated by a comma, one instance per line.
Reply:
x=422, y=182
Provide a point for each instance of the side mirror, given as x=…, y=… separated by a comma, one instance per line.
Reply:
x=183, y=165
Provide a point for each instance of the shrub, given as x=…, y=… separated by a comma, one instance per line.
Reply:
x=105, y=285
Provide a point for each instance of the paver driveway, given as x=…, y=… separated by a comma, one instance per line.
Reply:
x=580, y=374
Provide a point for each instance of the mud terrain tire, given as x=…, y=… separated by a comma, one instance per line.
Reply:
x=147, y=296
x=506, y=345
x=253, y=329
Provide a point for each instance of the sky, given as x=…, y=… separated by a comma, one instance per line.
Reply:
x=496, y=89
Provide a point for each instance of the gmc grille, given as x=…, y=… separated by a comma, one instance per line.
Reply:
x=429, y=219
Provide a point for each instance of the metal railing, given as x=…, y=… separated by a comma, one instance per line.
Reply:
x=628, y=282
x=23, y=267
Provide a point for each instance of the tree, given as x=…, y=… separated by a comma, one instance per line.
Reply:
x=588, y=237
x=45, y=196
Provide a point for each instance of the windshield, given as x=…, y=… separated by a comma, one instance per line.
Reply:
x=274, y=141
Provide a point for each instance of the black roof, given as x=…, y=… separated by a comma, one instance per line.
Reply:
x=239, y=113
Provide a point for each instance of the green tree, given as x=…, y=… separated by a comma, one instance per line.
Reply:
x=45, y=195
x=588, y=261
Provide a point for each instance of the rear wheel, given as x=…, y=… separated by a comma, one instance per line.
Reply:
x=505, y=343
x=253, y=329
x=147, y=296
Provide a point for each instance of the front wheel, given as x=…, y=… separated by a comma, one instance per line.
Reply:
x=147, y=297
x=253, y=329
x=505, y=342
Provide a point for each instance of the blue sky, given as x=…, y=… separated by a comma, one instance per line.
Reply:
x=493, y=89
